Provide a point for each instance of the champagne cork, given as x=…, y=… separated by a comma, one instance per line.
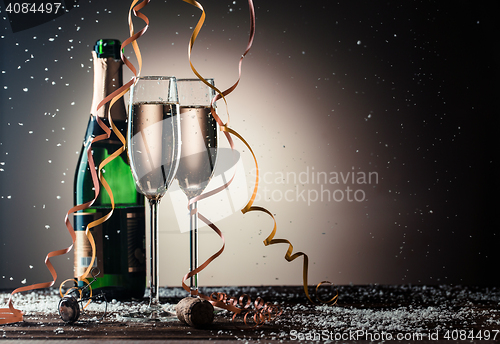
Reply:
x=195, y=312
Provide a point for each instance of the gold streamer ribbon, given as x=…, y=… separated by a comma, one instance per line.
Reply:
x=80, y=292
x=112, y=99
x=11, y=314
x=261, y=311
x=223, y=302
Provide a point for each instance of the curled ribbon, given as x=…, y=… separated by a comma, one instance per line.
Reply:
x=261, y=312
x=112, y=99
x=11, y=314
x=223, y=302
x=79, y=290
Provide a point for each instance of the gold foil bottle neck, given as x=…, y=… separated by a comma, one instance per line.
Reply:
x=108, y=77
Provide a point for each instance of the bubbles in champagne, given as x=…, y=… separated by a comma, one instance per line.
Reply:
x=198, y=150
x=153, y=146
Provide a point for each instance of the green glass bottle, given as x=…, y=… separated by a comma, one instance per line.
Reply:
x=120, y=241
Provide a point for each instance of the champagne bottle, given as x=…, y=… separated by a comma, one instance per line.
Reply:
x=120, y=241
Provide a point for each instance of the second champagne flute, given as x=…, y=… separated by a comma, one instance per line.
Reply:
x=153, y=147
x=198, y=152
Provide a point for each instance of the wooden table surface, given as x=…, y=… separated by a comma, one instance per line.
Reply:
x=363, y=314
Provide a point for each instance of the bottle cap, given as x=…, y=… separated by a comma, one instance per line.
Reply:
x=108, y=48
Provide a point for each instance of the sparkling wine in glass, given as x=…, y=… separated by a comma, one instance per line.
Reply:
x=198, y=152
x=153, y=147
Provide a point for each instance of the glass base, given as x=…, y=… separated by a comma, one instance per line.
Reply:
x=152, y=313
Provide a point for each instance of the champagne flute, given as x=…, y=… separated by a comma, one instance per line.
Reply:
x=198, y=152
x=153, y=147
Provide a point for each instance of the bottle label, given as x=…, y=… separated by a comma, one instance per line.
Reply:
x=83, y=249
x=120, y=242
x=136, y=241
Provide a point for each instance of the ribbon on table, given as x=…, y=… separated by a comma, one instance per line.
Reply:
x=259, y=317
x=11, y=314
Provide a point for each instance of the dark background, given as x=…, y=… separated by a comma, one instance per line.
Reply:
x=405, y=88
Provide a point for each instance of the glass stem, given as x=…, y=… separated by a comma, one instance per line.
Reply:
x=154, y=282
x=193, y=239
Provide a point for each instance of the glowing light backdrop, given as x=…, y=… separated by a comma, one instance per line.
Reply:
x=399, y=93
